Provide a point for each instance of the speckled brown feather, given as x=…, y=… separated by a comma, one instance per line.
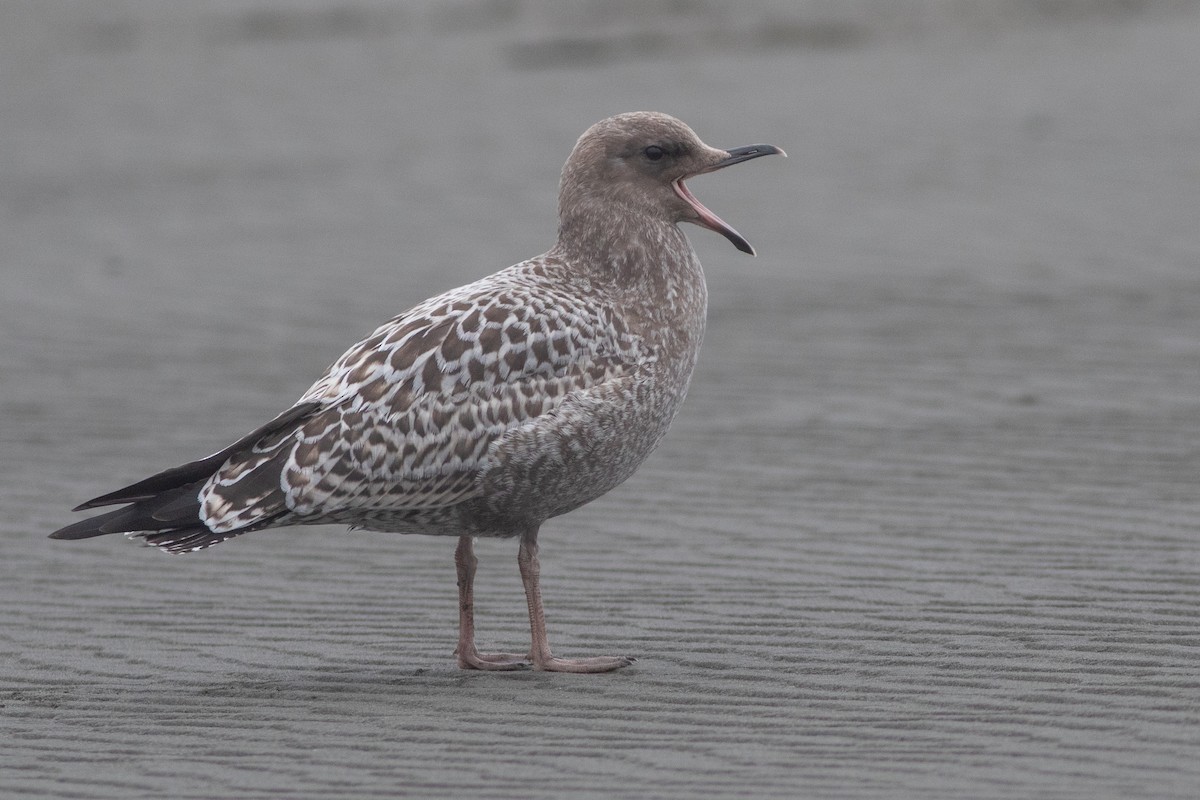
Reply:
x=411, y=415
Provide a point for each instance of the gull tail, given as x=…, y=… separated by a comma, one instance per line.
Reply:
x=164, y=509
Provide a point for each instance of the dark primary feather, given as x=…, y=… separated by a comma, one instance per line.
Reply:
x=195, y=470
x=166, y=506
x=87, y=528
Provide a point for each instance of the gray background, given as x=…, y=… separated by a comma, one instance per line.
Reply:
x=927, y=526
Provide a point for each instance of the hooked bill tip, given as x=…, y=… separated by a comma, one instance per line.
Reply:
x=736, y=155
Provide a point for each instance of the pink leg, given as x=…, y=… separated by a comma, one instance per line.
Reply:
x=527, y=560
x=468, y=656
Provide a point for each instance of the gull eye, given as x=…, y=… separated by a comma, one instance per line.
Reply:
x=654, y=152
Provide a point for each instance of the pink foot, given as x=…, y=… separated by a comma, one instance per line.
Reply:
x=596, y=664
x=493, y=661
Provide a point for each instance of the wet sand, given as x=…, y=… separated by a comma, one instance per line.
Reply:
x=927, y=526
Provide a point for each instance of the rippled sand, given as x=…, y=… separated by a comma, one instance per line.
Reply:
x=927, y=527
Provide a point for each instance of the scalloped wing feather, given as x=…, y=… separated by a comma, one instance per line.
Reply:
x=412, y=411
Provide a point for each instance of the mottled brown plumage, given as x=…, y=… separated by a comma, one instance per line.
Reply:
x=491, y=408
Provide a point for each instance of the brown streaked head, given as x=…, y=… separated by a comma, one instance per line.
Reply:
x=637, y=163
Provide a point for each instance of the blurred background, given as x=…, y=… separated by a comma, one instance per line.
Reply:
x=925, y=528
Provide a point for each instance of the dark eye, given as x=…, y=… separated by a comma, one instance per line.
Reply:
x=654, y=152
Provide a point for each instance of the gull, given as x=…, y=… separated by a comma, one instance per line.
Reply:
x=491, y=408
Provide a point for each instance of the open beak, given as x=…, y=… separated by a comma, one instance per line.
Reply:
x=707, y=218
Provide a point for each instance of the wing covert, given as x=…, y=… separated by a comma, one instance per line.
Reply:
x=410, y=413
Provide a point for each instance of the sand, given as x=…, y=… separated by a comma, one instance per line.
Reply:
x=926, y=527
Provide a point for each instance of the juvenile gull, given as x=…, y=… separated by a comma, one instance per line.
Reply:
x=491, y=408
